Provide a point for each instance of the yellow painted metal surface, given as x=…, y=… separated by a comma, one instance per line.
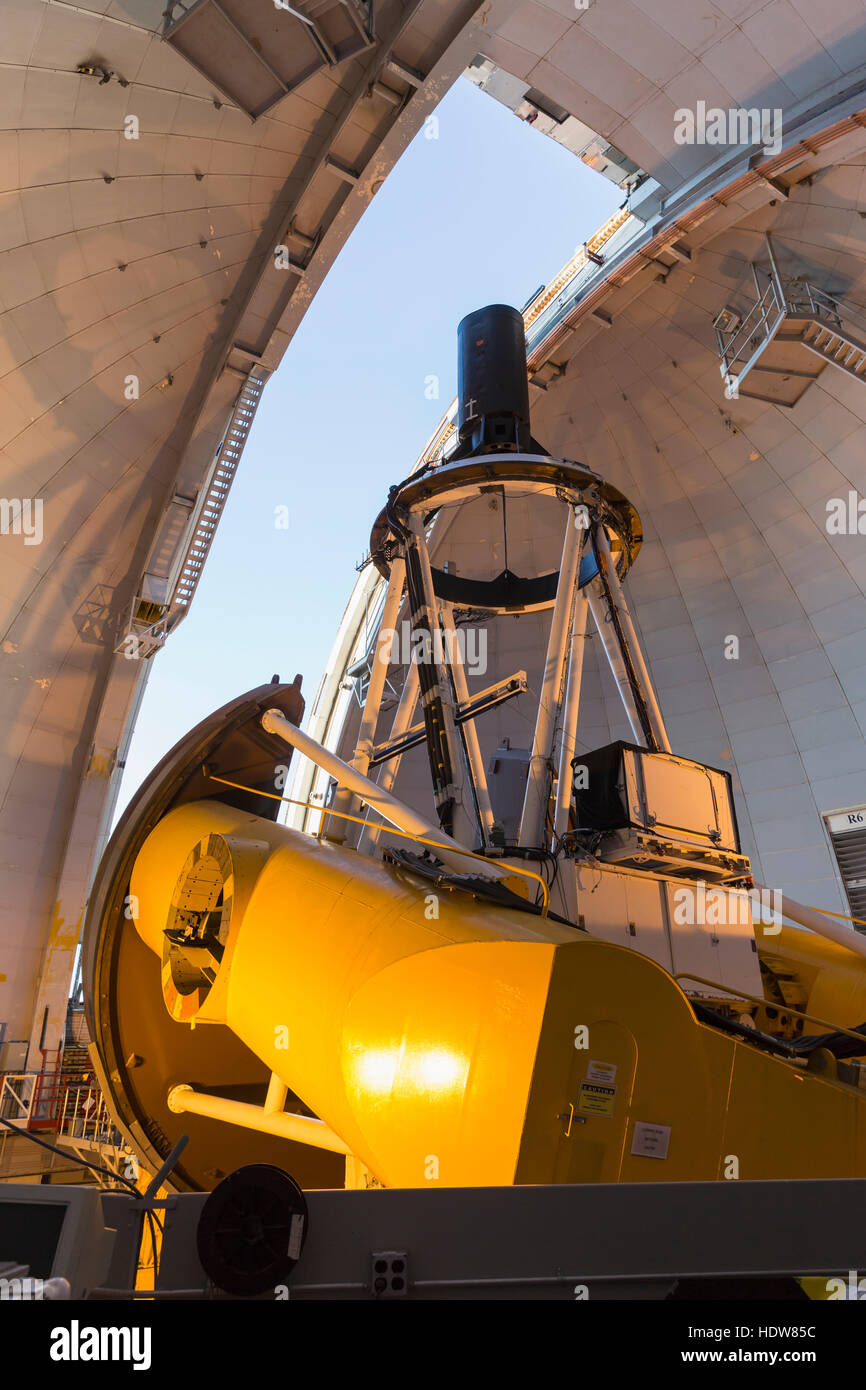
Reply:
x=448, y=1041
x=832, y=980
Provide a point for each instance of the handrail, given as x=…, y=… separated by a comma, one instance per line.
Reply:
x=801, y=298
x=561, y=281
x=756, y=999
x=840, y=308
x=7, y=1091
x=730, y=351
x=858, y=921
x=392, y=830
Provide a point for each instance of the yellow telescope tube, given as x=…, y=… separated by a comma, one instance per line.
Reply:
x=442, y=1039
x=407, y=1020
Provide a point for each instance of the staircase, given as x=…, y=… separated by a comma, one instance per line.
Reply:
x=217, y=491
x=61, y=1069
x=182, y=544
x=791, y=333
x=834, y=344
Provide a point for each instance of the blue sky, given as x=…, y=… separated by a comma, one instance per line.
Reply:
x=485, y=213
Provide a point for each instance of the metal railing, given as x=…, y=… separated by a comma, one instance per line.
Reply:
x=186, y=533
x=782, y=298
x=177, y=10
x=61, y=1068
x=62, y=1105
x=85, y=1118
x=16, y=1102
x=16, y=1096
x=588, y=264
x=215, y=494
x=753, y=333
x=805, y=298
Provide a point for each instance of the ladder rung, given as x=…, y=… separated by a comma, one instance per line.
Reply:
x=225, y=468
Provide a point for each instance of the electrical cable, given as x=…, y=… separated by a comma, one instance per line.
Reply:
x=95, y=1168
x=153, y=1244
x=64, y=1153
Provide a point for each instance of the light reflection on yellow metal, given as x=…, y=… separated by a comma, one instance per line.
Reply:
x=448, y=1041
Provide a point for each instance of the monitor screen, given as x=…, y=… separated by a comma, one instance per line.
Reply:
x=29, y=1232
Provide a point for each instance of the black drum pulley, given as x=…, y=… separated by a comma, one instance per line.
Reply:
x=252, y=1230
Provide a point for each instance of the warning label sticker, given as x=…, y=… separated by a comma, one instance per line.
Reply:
x=602, y=1071
x=595, y=1099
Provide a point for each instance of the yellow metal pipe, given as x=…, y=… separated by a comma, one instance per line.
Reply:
x=183, y=1099
x=388, y=806
x=276, y=1098
x=816, y=921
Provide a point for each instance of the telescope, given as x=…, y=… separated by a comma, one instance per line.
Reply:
x=460, y=967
